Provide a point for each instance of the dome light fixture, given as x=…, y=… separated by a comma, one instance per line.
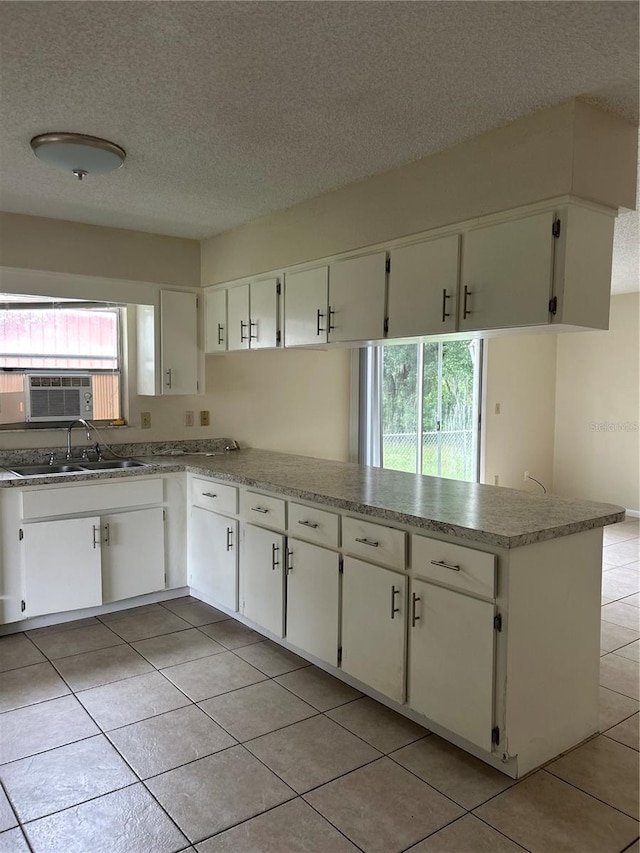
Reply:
x=77, y=153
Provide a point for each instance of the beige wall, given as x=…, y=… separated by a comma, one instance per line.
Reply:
x=596, y=425
x=572, y=148
x=36, y=243
x=520, y=377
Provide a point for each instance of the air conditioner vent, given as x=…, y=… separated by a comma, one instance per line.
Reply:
x=59, y=397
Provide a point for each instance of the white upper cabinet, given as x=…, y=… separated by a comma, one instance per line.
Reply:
x=423, y=288
x=357, y=294
x=238, y=317
x=264, y=313
x=168, y=350
x=215, y=321
x=306, y=297
x=507, y=274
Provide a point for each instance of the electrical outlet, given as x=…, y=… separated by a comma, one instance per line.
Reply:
x=496, y=480
x=145, y=420
x=497, y=409
x=526, y=476
x=188, y=419
x=204, y=418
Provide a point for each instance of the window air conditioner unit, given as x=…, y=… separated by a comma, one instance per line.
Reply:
x=60, y=397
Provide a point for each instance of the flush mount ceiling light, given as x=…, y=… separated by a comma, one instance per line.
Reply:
x=77, y=153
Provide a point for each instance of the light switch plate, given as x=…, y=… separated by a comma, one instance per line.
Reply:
x=204, y=418
x=145, y=420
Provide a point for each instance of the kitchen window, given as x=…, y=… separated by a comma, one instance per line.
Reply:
x=61, y=340
x=420, y=407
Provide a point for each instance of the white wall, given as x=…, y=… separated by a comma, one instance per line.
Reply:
x=597, y=410
x=520, y=377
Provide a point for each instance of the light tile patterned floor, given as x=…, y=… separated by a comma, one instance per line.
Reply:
x=173, y=727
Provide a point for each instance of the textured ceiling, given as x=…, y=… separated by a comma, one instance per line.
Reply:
x=231, y=110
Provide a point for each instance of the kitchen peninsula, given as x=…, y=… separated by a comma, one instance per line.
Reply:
x=446, y=600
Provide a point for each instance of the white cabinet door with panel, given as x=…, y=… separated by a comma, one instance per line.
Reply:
x=423, y=288
x=507, y=274
x=264, y=313
x=306, y=297
x=313, y=588
x=451, y=661
x=61, y=565
x=374, y=626
x=357, y=293
x=212, y=560
x=238, y=326
x=179, y=342
x=215, y=321
x=262, y=578
x=132, y=553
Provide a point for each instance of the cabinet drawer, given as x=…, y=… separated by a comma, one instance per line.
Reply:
x=374, y=542
x=456, y=566
x=211, y=495
x=73, y=500
x=263, y=509
x=313, y=524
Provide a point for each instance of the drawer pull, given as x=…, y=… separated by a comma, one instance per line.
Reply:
x=394, y=591
x=310, y=524
x=274, y=563
x=209, y=495
x=414, y=617
x=370, y=542
x=229, y=538
x=444, y=565
x=259, y=509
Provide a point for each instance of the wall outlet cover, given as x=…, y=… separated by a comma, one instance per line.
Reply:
x=204, y=418
x=145, y=420
x=188, y=419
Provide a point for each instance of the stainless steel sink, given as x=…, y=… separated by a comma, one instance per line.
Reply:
x=75, y=467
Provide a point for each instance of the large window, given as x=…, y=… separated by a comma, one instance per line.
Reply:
x=59, y=340
x=420, y=407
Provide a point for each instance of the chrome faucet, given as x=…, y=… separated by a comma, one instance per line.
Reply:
x=70, y=427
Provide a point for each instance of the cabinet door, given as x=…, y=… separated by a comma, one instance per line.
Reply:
x=261, y=578
x=423, y=288
x=313, y=606
x=507, y=274
x=215, y=321
x=451, y=661
x=357, y=289
x=213, y=565
x=238, y=328
x=179, y=342
x=132, y=553
x=61, y=564
x=264, y=313
x=306, y=296
x=373, y=626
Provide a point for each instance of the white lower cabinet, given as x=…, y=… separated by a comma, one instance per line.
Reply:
x=212, y=561
x=132, y=553
x=313, y=599
x=451, y=661
x=374, y=602
x=61, y=565
x=262, y=578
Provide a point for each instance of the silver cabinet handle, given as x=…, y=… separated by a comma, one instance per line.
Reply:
x=220, y=338
x=319, y=329
x=229, y=538
x=259, y=509
x=444, y=565
x=310, y=524
x=289, y=562
x=370, y=542
x=414, y=617
x=209, y=495
x=445, y=296
x=331, y=313
x=466, y=311
x=253, y=337
x=107, y=535
x=96, y=535
x=243, y=337
x=274, y=563
x=169, y=373
x=394, y=591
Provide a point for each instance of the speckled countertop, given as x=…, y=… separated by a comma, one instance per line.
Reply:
x=493, y=515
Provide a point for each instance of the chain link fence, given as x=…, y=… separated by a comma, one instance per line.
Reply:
x=445, y=453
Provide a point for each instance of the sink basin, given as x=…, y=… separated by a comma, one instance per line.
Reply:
x=75, y=467
x=38, y=470
x=109, y=464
